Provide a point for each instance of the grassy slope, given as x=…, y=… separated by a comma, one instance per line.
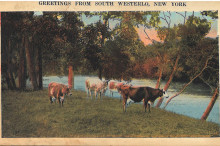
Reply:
x=29, y=114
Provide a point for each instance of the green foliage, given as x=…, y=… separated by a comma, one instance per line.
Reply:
x=117, y=60
x=193, y=31
x=194, y=48
x=92, y=51
x=213, y=14
x=209, y=47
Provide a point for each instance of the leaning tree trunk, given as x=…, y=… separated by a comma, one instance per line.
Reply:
x=30, y=65
x=210, y=106
x=169, y=81
x=71, y=77
x=184, y=87
x=158, y=81
x=159, y=78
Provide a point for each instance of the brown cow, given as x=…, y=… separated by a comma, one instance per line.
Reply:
x=58, y=91
x=138, y=94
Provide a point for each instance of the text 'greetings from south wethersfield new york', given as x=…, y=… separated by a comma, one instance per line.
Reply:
x=113, y=3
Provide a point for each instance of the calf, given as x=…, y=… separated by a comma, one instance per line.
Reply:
x=58, y=91
x=138, y=94
x=97, y=86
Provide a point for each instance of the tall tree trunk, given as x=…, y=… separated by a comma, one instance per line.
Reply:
x=30, y=65
x=40, y=77
x=71, y=77
x=22, y=67
x=8, y=81
x=169, y=81
x=5, y=65
x=100, y=73
x=12, y=79
x=210, y=106
x=184, y=87
x=9, y=68
x=39, y=68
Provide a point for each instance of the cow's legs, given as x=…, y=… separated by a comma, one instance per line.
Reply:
x=148, y=106
x=124, y=104
x=87, y=92
x=90, y=93
x=145, y=105
x=95, y=94
x=59, y=100
x=62, y=102
x=51, y=101
x=120, y=95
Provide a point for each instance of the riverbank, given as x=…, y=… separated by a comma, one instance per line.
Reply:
x=29, y=114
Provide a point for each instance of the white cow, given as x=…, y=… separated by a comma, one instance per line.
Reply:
x=97, y=86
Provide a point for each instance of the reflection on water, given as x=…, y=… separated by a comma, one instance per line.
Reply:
x=192, y=102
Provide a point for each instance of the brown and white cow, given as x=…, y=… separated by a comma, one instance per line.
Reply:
x=58, y=91
x=137, y=94
x=97, y=86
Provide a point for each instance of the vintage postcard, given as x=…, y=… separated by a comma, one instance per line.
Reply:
x=109, y=72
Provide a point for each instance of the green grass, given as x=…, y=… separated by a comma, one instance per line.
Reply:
x=29, y=114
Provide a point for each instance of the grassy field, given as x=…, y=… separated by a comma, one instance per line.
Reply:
x=29, y=114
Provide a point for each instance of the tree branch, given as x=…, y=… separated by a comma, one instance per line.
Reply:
x=184, y=87
x=148, y=37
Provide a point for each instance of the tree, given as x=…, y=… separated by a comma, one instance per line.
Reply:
x=211, y=104
x=12, y=33
x=93, y=51
x=71, y=34
x=122, y=51
x=189, y=35
x=198, y=50
x=23, y=32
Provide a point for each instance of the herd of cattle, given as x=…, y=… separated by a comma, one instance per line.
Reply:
x=58, y=91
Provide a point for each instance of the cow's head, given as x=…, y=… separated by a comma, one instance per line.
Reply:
x=119, y=86
x=124, y=88
x=66, y=91
x=165, y=94
x=105, y=86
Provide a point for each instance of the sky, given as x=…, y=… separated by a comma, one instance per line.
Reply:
x=175, y=19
